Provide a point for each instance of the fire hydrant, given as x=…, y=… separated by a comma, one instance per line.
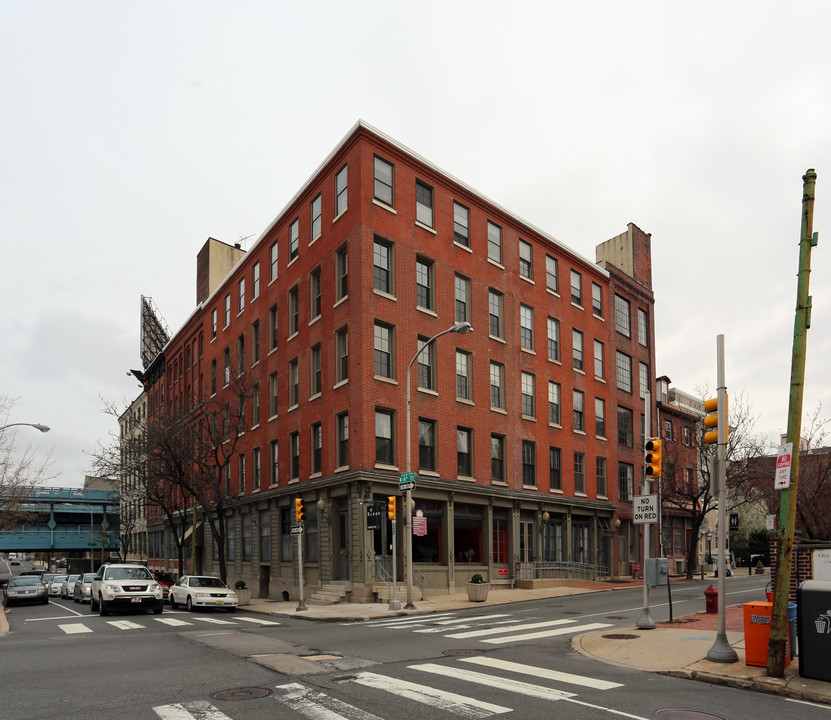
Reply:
x=711, y=599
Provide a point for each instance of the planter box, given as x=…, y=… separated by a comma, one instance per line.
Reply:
x=477, y=592
x=244, y=596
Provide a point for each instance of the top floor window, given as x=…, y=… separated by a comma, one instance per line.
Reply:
x=341, y=191
x=384, y=175
x=424, y=204
x=576, y=288
x=316, y=218
x=255, y=277
x=294, y=239
x=494, y=242
x=551, y=274
x=273, y=261
x=622, y=316
x=597, y=300
x=241, y=288
x=383, y=261
x=526, y=265
x=643, y=328
x=461, y=224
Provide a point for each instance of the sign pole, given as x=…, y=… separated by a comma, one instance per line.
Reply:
x=302, y=605
x=394, y=602
x=646, y=622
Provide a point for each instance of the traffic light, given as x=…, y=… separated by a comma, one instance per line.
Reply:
x=298, y=509
x=711, y=420
x=391, y=499
x=653, y=456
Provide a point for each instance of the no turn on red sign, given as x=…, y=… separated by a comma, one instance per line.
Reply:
x=782, y=479
x=645, y=509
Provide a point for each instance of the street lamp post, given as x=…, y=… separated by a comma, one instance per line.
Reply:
x=461, y=328
x=37, y=426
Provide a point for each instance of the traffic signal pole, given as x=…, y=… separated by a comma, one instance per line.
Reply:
x=645, y=622
x=787, y=501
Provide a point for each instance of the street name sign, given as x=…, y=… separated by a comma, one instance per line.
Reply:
x=645, y=510
x=782, y=479
x=408, y=477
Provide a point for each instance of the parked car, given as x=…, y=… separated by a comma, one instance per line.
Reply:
x=202, y=591
x=54, y=585
x=83, y=588
x=166, y=580
x=68, y=586
x=125, y=587
x=24, y=589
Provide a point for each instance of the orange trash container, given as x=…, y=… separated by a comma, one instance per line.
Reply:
x=757, y=634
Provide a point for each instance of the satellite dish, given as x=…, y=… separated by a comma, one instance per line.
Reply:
x=704, y=528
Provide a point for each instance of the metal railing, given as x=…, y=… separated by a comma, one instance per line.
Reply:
x=383, y=575
x=559, y=570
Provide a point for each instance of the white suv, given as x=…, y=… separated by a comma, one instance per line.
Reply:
x=125, y=587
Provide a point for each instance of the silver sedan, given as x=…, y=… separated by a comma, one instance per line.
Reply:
x=83, y=588
x=195, y=591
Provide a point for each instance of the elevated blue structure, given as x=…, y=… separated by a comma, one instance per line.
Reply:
x=66, y=520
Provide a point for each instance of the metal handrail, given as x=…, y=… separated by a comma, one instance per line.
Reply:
x=559, y=569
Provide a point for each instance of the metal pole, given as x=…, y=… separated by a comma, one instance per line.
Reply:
x=646, y=622
x=394, y=603
x=721, y=650
x=787, y=502
x=301, y=605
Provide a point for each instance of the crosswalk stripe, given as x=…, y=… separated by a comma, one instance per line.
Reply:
x=493, y=681
x=196, y=710
x=545, y=673
x=475, y=618
x=258, y=621
x=548, y=633
x=451, y=702
x=464, y=627
x=125, y=625
x=405, y=621
x=497, y=631
x=215, y=621
x=172, y=622
x=318, y=705
x=74, y=628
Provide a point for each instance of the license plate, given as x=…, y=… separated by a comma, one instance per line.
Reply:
x=135, y=599
x=220, y=602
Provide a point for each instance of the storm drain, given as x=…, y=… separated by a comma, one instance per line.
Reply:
x=461, y=652
x=620, y=636
x=241, y=693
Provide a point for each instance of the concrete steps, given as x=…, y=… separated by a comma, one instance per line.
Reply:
x=330, y=594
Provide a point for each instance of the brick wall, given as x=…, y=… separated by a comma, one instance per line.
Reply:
x=802, y=567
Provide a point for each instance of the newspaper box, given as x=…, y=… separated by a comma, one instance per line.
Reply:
x=757, y=633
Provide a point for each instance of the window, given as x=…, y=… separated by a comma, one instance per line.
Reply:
x=624, y=371
x=528, y=395
x=643, y=379
x=317, y=448
x=424, y=203
x=461, y=225
x=597, y=300
x=495, y=314
x=625, y=430
x=464, y=451
x=314, y=291
x=384, y=181
x=551, y=282
x=626, y=481
x=240, y=354
x=668, y=429
x=555, y=479
x=576, y=288
x=294, y=383
x=600, y=476
x=287, y=540
x=600, y=417
x=226, y=365
x=265, y=535
x=526, y=264
x=384, y=436
x=498, y=458
x=643, y=328
x=424, y=284
x=464, y=388
x=213, y=324
x=599, y=360
x=241, y=472
x=343, y=439
x=577, y=349
x=462, y=299
x=341, y=195
x=622, y=316
x=255, y=342
x=426, y=444
x=274, y=258
x=272, y=327
x=554, y=339
x=316, y=213
x=273, y=462
x=426, y=365
x=687, y=435
x=294, y=312
x=578, y=400
x=213, y=376
x=579, y=473
x=230, y=540
x=384, y=347
x=554, y=412
x=255, y=404
x=256, y=478
x=342, y=354
x=227, y=309
x=383, y=262
x=314, y=370
x=294, y=455
x=294, y=240
x=255, y=281
x=341, y=274
x=526, y=327
x=241, y=299
x=494, y=243
x=529, y=463
x=497, y=386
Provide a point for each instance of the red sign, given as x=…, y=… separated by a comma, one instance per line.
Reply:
x=503, y=571
x=420, y=526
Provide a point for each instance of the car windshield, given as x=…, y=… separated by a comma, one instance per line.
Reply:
x=129, y=574
x=72, y=578
x=28, y=580
x=207, y=582
x=88, y=577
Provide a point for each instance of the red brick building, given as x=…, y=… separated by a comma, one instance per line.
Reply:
x=526, y=433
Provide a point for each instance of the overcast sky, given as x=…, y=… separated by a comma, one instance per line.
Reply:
x=131, y=132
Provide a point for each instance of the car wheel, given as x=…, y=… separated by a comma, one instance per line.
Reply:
x=93, y=607
x=46, y=601
x=102, y=609
x=158, y=610
x=231, y=609
x=170, y=600
x=75, y=598
x=189, y=604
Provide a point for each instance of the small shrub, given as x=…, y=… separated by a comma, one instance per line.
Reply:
x=240, y=585
x=477, y=579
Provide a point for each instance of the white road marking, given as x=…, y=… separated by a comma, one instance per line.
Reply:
x=258, y=621
x=74, y=628
x=539, y=672
x=318, y=705
x=172, y=622
x=517, y=686
x=451, y=702
x=548, y=633
x=215, y=621
x=410, y=619
x=125, y=625
x=196, y=710
x=499, y=630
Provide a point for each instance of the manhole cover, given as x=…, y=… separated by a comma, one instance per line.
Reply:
x=676, y=714
x=241, y=693
x=620, y=636
x=462, y=652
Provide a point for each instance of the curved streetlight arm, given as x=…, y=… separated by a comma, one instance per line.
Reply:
x=37, y=426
